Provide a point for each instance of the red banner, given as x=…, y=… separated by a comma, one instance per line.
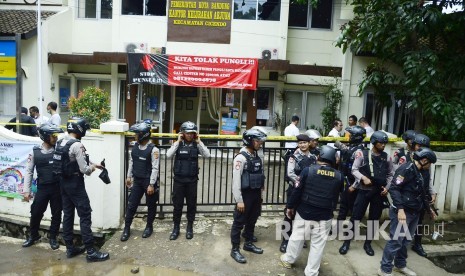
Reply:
x=194, y=71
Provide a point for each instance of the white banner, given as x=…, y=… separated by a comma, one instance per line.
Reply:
x=13, y=160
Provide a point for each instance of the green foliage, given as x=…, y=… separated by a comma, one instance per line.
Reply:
x=429, y=48
x=93, y=104
x=333, y=99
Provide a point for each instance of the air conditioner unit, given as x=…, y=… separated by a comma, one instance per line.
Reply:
x=269, y=53
x=135, y=47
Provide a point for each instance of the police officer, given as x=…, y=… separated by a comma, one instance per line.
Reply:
x=408, y=194
x=74, y=164
x=420, y=141
x=247, y=185
x=186, y=170
x=142, y=176
x=403, y=155
x=356, y=136
x=48, y=188
x=372, y=171
x=314, y=198
x=301, y=159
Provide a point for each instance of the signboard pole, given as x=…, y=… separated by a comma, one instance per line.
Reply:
x=19, y=82
x=39, y=56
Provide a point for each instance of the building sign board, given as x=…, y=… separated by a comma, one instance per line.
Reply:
x=194, y=71
x=7, y=62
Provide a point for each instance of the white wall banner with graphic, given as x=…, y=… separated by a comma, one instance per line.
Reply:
x=13, y=160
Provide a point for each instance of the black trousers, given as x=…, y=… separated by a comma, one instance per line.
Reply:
x=139, y=188
x=247, y=219
x=74, y=195
x=288, y=221
x=365, y=197
x=46, y=193
x=181, y=191
x=346, y=203
x=420, y=229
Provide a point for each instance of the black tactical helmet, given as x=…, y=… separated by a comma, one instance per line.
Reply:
x=327, y=154
x=421, y=140
x=408, y=135
x=77, y=125
x=357, y=133
x=379, y=137
x=188, y=126
x=46, y=130
x=425, y=153
x=142, y=129
x=249, y=135
x=313, y=134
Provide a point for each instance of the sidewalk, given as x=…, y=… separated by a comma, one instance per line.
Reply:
x=206, y=254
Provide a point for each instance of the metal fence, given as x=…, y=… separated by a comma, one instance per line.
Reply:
x=214, y=193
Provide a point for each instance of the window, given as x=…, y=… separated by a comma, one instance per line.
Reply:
x=8, y=100
x=150, y=108
x=306, y=105
x=320, y=17
x=92, y=8
x=265, y=107
x=144, y=7
x=102, y=84
x=257, y=9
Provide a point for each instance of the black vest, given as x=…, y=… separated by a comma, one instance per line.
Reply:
x=380, y=167
x=402, y=153
x=44, y=167
x=322, y=186
x=252, y=175
x=62, y=165
x=348, y=160
x=302, y=161
x=412, y=193
x=186, y=161
x=142, y=161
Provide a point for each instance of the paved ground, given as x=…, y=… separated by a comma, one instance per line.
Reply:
x=206, y=254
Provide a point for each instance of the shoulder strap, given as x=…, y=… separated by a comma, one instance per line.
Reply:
x=370, y=163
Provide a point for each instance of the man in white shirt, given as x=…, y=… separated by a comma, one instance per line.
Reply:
x=337, y=128
x=292, y=130
x=363, y=122
x=52, y=109
x=39, y=119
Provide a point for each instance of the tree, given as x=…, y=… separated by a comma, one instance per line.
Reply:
x=427, y=45
x=93, y=104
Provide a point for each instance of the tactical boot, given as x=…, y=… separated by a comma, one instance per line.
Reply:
x=236, y=254
x=54, y=243
x=31, y=241
x=175, y=233
x=368, y=249
x=283, y=246
x=126, y=234
x=249, y=246
x=93, y=255
x=74, y=251
x=344, y=248
x=189, y=230
x=147, y=232
x=417, y=247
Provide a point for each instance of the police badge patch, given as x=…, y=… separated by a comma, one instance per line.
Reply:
x=399, y=179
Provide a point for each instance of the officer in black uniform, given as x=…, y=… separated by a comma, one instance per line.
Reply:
x=247, y=185
x=298, y=161
x=312, y=202
x=71, y=162
x=356, y=136
x=48, y=187
x=420, y=141
x=372, y=171
x=186, y=170
x=408, y=195
x=142, y=176
x=404, y=155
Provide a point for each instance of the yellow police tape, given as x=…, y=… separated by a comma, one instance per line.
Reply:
x=239, y=137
